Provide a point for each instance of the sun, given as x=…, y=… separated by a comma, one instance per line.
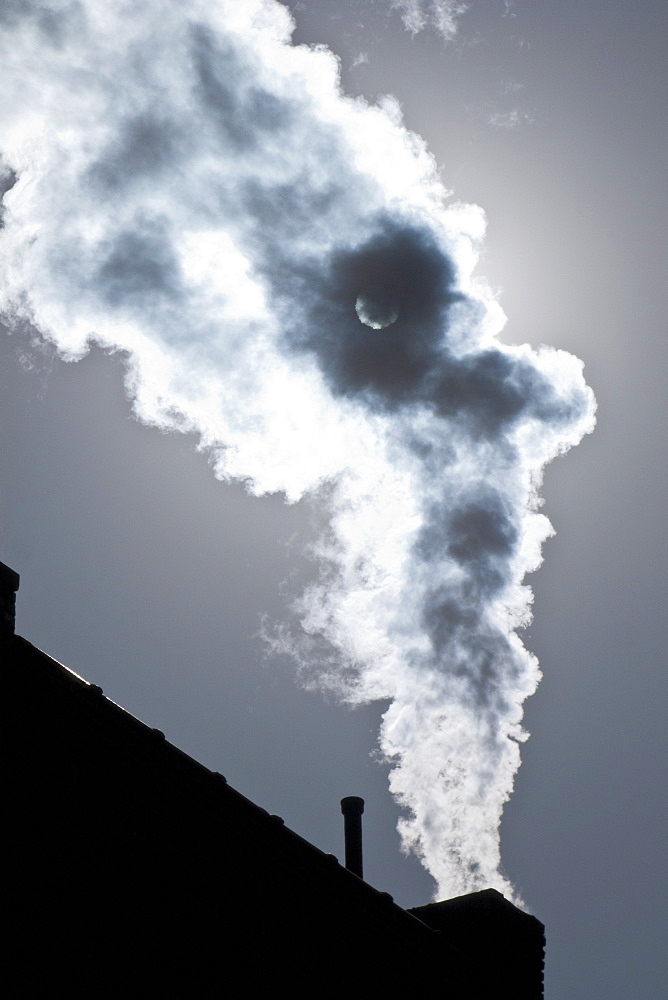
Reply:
x=376, y=311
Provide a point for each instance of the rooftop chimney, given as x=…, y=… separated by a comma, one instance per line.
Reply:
x=9, y=584
x=352, y=808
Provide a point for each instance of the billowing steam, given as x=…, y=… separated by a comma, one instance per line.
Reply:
x=283, y=269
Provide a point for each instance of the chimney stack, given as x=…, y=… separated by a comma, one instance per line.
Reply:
x=9, y=584
x=352, y=808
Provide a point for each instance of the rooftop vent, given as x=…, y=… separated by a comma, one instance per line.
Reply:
x=9, y=584
x=352, y=808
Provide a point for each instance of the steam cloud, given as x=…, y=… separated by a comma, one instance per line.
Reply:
x=439, y=15
x=187, y=186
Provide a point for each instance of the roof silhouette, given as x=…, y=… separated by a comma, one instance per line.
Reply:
x=135, y=871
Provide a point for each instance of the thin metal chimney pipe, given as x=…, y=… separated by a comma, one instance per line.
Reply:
x=352, y=808
x=9, y=584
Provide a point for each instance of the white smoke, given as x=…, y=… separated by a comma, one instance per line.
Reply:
x=196, y=191
x=441, y=16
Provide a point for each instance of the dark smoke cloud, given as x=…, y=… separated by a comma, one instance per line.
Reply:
x=389, y=367
x=282, y=267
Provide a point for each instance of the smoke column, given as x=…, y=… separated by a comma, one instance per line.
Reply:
x=290, y=280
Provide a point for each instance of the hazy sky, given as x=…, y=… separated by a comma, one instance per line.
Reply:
x=148, y=576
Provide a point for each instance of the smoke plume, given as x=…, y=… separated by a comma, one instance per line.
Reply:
x=290, y=280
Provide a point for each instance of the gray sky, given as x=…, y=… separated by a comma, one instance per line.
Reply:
x=147, y=576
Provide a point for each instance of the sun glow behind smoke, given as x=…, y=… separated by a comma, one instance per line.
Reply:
x=282, y=266
x=376, y=311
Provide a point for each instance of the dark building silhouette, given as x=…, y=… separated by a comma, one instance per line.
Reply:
x=133, y=871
